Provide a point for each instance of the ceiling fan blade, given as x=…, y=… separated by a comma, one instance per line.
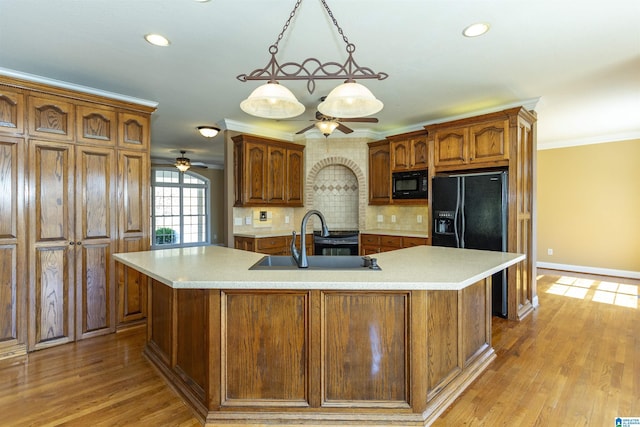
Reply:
x=305, y=129
x=360, y=120
x=342, y=128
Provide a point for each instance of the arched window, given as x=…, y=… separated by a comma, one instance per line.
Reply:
x=180, y=209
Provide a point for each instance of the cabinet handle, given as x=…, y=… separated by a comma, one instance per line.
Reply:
x=79, y=243
x=72, y=243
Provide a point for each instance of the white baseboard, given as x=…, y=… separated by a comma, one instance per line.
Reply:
x=590, y=270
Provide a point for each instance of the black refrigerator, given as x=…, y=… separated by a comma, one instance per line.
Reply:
x=470, y=211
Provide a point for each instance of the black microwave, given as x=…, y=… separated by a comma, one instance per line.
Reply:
x=409, y=184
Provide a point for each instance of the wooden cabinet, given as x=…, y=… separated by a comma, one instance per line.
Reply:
x=409, y=151
x=484, y=144
x=379, y=173
x=506, y=140
x=13, y=271
x=273, y=245
x=376, y=243
x=268, y=172
x=66, y=176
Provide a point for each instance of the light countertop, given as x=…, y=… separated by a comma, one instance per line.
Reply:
x=420, y=267
x=276, y=233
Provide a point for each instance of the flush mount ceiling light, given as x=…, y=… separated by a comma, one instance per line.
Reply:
x=182, y=163
x=475, y=30
x=208, y=131
x=157, y=40
x=274, y=101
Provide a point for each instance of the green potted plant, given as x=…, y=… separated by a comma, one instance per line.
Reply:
x=165, y=236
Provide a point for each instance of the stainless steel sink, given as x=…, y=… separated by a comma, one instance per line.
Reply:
x=317, y=262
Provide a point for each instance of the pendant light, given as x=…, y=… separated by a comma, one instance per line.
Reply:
x=350, y=100
x=274, y=101
x=182, y=163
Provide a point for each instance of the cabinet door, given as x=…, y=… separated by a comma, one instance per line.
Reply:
x=95, y=240
x=133, y=131
x=51, y=117
x=13, y=292
x=255, y=173
x=489, y=142
x=11, y=110
x=96, y=125
x=419, y=153
x=451, y=147
x=400, y=155
x=133, y=229
x=295, y=177
x=379, y=174
x=52, y=244
x=276, y=174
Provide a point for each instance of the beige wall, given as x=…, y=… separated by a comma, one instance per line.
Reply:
x=589, y=206
x=216, y=178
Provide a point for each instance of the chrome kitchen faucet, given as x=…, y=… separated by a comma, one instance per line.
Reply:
x=301, y=257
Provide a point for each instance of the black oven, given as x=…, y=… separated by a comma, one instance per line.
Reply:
x=337, y=243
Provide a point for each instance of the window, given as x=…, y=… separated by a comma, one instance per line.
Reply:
x=180, y=209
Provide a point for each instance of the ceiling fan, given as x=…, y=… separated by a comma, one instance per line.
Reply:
x=327, y=124
x=184, y=163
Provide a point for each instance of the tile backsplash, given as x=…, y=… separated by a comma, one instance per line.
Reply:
x=335, y=191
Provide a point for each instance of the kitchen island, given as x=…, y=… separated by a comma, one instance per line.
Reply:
x=389, y=347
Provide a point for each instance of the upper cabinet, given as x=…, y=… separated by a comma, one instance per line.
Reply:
x=134, y=130
x=409, y=151
x=51, y=117
x=11, y=110
x=474, y=145
x=379, y=173
x=268, y=172
x=96, y=125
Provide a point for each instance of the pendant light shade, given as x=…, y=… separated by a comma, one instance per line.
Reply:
x=272, y=101
x=327, y=127
x=182, y=163
x=350, y=100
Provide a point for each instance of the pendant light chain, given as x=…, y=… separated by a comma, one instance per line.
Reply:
x=293, y=13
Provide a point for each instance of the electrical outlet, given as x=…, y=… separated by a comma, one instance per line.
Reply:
x=549, y=251
x=380, y=218
x=237, y=221
x=247, y=220
x=419, y=219
x=393, y=218
x=286, y=219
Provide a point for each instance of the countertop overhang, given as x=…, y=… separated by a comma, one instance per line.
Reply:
x=415, y=268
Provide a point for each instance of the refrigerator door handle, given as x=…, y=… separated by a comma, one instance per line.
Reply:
x=457, y=212
x=462, y=212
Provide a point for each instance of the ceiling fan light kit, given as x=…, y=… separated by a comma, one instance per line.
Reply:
x=269, y=100
x=326, y=127
x=208, y=131
x=182, y=163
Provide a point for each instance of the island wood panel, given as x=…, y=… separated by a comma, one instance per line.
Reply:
x=191, y=342
x=476, y=321
x=443, y=348
x=276, y=356
x=365, y=340
x=13, y=292
x=132, y=286
x=265, y=348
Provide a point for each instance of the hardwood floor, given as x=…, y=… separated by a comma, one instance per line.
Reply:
x=574, y=362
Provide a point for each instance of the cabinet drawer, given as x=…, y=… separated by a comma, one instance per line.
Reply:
x=391, y=241
x=271, y=242
x=408, y=242
x=369, y=239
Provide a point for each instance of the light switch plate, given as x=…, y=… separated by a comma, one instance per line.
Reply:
x=419, y=219
x=237, y=221
x=393, y=218
x=380, y=218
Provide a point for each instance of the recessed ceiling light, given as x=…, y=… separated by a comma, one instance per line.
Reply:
x=157, y=40
x=202, y=1
x=475, y=30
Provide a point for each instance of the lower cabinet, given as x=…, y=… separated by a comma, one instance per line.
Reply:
x=274, y=245
x=376, y=243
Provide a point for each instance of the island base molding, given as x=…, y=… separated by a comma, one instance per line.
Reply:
x=319, y=357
